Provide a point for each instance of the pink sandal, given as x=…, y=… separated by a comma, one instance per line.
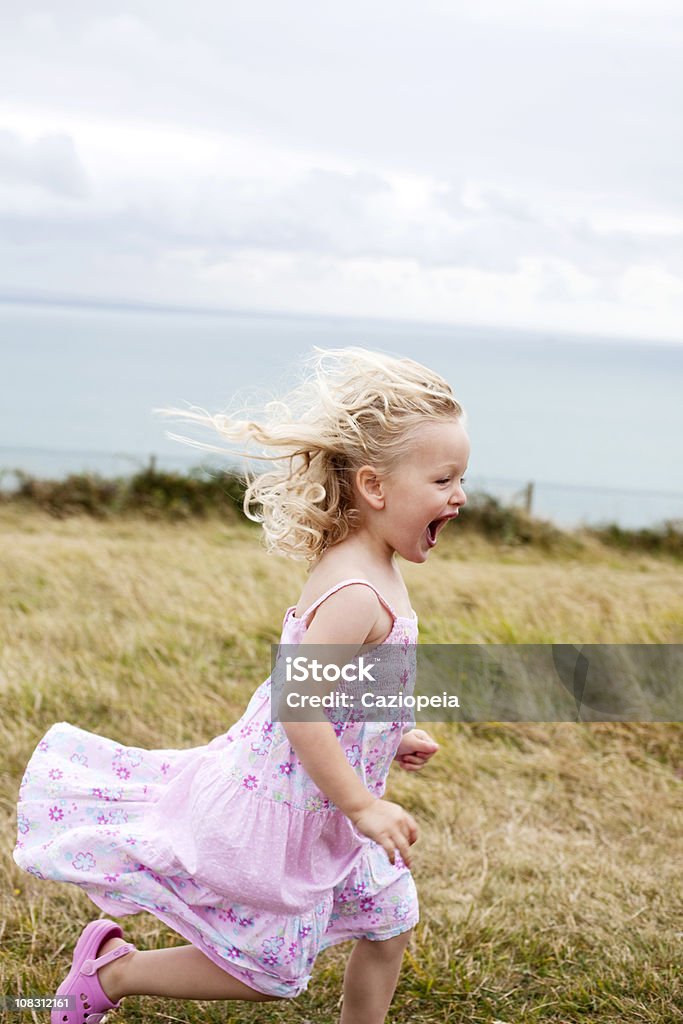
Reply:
x=81, y=982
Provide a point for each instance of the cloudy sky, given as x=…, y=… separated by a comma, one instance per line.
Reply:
x=496, y=161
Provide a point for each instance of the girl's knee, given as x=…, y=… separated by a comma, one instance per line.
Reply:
x=389, y=949
x=402, y=939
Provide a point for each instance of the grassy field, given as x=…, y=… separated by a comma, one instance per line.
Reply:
x=549, y=861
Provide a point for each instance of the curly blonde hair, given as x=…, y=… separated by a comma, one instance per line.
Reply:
x=352, y=408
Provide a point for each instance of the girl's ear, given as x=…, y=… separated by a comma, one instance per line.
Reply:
x=370, y=486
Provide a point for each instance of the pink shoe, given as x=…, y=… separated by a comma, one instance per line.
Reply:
x=81, y=982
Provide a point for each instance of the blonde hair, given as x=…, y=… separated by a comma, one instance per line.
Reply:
x=352, y=408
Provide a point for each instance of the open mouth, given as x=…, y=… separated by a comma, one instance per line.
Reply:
x=435, y=528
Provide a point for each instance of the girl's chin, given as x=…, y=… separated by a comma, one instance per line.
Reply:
x=421, y=553
x=418, y=553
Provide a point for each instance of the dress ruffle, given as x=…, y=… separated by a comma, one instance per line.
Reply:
x=230, y=843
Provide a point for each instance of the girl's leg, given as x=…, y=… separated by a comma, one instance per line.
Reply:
x=370, y=979
x=181, y=972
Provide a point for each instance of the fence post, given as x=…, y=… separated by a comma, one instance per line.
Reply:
x=528, y=497
x=152, y=463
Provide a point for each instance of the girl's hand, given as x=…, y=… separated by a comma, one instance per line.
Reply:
x=390, y=826
x=415, y=749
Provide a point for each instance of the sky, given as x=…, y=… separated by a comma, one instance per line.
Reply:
x=500, y=162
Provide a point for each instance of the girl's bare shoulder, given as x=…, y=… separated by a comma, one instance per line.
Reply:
x=325, y=577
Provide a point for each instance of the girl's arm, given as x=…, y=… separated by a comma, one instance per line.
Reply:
x=348, y=617
x=320, y=753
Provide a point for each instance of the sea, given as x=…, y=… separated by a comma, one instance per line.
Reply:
x=594, y=424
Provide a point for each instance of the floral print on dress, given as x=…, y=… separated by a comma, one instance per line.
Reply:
x=86, y=816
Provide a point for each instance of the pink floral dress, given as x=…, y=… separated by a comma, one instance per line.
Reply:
x=230, y=844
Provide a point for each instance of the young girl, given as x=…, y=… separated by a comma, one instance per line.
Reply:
x=273, y=841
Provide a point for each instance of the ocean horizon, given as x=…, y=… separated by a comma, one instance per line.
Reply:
x=596, y=424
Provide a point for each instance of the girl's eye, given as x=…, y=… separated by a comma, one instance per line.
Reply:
x=444, y=481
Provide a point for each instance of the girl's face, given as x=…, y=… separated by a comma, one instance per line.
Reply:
x=425, y=490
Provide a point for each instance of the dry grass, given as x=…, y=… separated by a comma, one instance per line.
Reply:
x=549, y=862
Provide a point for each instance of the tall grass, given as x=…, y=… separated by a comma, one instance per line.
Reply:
x=549, y=860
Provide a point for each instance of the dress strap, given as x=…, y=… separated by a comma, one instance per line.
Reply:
x=346, y=583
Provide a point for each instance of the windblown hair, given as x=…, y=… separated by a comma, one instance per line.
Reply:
x=352, y=408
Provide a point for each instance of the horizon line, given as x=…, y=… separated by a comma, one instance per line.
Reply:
x=142, y=306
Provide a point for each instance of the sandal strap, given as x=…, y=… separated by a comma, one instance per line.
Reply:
x=92, y=966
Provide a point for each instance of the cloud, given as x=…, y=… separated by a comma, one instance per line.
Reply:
x=50, y=162
x=450, y=151
x=319, y=211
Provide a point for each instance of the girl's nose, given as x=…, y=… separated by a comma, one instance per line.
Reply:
x=459, y=497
